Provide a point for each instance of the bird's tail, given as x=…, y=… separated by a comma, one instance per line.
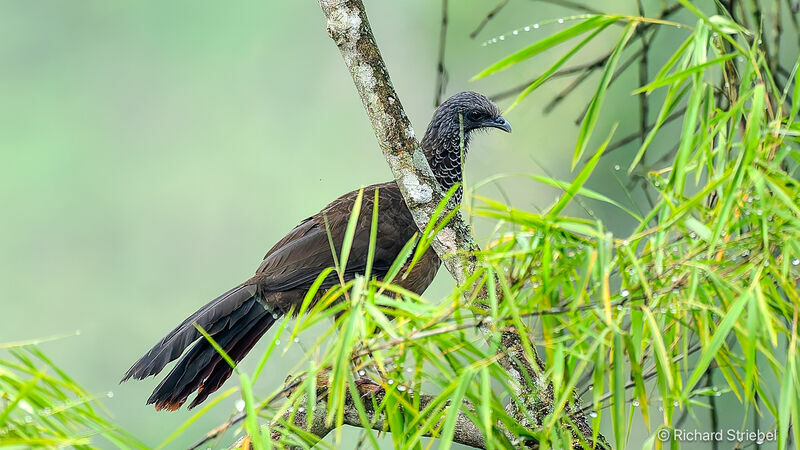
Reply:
x=236, y=320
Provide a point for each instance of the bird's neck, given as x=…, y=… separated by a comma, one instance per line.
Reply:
x=446, y=152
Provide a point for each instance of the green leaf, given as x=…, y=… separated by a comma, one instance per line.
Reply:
x=796, y=94
x=718, y=339
x=583, y=175
x=485, y=405
x=671, y=100
x=351, y=229
x=592, y=114
x=726, y=25
x=401, y=259
x=619, y=418
x=549, y=72
x=251, y=420
x=678, y=77
x=588, y=193
x=551, y=41
x=788, y=396
x=216, y=346
x=373, y=236
x=456, y=400
x=662, y=358
x=688, y=135
x=355, y=395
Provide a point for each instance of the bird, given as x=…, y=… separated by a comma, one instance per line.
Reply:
x=237, y=319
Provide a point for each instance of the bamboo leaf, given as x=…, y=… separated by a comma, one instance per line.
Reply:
x=592, y=114
x=682, y=75
x=717, y=340
x=251, y=420
x=449, y=427
x=588, y=193
x=350, y=230
x=591, y=23
x=583, y=175
x=619, y=416
x=554, y=68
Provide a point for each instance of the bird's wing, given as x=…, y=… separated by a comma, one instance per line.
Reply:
x=297, y=259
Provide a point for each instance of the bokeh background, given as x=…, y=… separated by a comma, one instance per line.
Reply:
x=151, y=152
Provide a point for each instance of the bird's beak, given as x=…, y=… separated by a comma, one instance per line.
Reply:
x=500, y=123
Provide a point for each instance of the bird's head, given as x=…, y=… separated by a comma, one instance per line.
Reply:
x=469, y=110
x=475, y=110
x=442, y=144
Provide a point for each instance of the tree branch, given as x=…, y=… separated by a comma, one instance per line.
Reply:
x=371, y=394
x=348, y=27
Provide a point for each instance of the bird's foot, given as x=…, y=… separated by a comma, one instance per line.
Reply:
x=368, y=388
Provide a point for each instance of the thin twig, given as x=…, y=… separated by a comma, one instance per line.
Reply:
x=777, y=29
x=488, y=17
x=441, y=73
x=572, y=5
x=793, y=9
x=567, y=90
x=643, y=61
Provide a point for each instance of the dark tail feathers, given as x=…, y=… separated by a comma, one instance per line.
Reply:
x=236, y=320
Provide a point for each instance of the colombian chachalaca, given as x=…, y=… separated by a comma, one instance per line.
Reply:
x=238, y=318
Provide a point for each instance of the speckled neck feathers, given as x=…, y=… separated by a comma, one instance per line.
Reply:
x=443, y=149
x=447, y=138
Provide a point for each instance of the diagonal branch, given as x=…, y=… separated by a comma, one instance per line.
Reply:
x=349, y=28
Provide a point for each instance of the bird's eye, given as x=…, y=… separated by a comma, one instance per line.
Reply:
x=473, y=115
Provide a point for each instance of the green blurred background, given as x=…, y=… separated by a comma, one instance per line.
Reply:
x=151, y=152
